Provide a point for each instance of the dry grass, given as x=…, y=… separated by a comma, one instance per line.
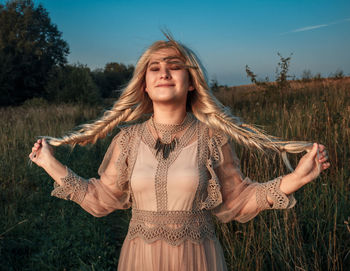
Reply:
x=314, y=235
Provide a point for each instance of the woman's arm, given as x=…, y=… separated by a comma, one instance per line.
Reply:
x=308, y=169
x=100, y=196
x=243, y=199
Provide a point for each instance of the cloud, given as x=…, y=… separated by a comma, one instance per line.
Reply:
x=307, y=28
x=312, y=27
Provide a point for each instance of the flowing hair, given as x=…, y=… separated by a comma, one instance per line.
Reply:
x=134, y=102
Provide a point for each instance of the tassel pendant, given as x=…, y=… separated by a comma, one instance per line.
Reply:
x=165, y=148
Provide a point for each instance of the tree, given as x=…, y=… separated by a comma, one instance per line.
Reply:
x=282, y=72
x=30, y=46
x=282, y=76
x=112, y=78
x=72, y=84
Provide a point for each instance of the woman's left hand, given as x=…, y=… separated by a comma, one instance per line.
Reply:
x=312, y=164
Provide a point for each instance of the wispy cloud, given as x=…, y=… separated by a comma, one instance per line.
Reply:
x=312, y=27
x=307, y=28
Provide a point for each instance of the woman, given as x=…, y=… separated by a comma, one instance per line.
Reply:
x=177, y=168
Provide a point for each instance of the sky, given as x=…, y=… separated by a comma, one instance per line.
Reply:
x=226, y=35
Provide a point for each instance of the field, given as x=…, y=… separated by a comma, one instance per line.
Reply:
x=40, y=232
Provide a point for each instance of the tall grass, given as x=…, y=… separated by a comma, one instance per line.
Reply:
x=315, y=235
x=38, y=232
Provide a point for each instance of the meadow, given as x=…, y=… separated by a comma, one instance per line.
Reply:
x=40, y=232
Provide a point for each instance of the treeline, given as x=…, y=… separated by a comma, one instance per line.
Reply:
x=78, y=84
x=33, y=61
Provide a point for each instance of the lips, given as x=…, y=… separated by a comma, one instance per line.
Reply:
x=165, y=85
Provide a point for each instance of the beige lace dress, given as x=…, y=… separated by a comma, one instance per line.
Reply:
x=172, y=199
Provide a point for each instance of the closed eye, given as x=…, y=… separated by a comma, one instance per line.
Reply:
x=175, y=67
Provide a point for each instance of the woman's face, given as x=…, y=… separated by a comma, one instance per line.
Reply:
x=167, y=78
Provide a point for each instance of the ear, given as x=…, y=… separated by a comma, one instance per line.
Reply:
x=191, y=88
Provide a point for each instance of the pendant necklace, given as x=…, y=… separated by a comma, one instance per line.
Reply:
x=168, y=144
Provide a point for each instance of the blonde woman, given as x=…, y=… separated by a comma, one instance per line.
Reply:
x=177, y=168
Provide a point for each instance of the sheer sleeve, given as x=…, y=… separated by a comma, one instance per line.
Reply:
x=241, y=198
x=101, y=196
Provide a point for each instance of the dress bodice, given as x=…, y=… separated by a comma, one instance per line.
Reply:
x=181, y=184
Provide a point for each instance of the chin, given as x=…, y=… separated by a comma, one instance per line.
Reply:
x=163, y=98
x=166, y=100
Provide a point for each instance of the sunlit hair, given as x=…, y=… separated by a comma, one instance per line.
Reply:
x=134, y=102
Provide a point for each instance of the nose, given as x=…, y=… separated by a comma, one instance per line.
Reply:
x=165, y=73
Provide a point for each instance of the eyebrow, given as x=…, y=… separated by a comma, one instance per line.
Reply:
x=166, y=59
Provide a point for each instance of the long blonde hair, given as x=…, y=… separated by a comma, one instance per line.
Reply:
x=134, y=102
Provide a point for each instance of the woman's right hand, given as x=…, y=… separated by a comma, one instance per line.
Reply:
x=41, y=153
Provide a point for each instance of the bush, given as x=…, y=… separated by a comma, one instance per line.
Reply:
x=339, y=74
x=306, y=76
x=36, y=102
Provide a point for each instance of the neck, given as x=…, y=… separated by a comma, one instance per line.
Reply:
x=169, y=115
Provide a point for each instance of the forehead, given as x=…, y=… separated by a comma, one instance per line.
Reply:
x=165, y=54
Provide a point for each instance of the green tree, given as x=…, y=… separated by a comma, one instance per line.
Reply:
x=72, y=84
x=112, y=78
x=30, y=46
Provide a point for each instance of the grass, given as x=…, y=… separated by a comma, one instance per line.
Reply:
x=39, y=232
x=315, y=234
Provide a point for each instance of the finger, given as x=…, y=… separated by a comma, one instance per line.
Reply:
x=32, y=155
x=325, y=166
x=323, y=155
x=321, y=147
x=324, y=159
x=43, y=142
x=313, y=151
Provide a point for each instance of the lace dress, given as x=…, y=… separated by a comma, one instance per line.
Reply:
x=172, y=200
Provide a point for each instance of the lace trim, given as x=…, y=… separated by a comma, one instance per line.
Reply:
x=272, y=189
x=213, y=157
x=121, y=164
x=130, y=145
x=214, y=197
x=172, y=226
x=74, y=187
x=164, y=164
x=202, y=154
x=215, y=144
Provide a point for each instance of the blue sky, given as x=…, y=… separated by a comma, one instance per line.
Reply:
x=226, y=35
